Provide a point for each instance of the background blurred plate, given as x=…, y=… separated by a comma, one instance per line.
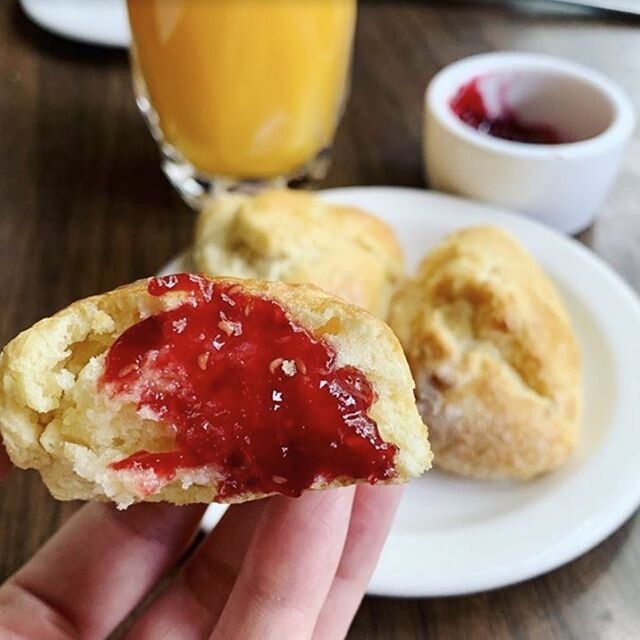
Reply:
x=101, y=22
x=455, y=536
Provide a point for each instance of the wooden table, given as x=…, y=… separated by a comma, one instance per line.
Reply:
x=84, y=208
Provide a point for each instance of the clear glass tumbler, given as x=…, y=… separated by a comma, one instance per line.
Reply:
x=241, y=94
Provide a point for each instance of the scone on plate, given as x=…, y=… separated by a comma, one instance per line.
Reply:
x=495, y=360
x=295, y=236
x=190, y=389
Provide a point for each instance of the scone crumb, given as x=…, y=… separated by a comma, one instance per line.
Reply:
x=125, y=371
x=289, y=368
x=230, y=328
x=180, y=325
x=236, y=288
x=203, y=360
x=274, y=364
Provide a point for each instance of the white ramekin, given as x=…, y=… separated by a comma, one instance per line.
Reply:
x=561, y=185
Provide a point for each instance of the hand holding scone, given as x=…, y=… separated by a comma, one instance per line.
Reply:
x=276, y=568
x=157, y=391
x=496, y=364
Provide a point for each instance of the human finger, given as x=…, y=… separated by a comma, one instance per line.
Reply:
x=192, y=603
x=288, y=568
x=88, y=577
x=371, y=518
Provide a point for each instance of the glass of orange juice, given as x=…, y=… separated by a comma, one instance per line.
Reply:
x=241, y=93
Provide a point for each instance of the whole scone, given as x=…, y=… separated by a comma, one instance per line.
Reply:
x=192, y=389
x=494, y=357
x=294, y=236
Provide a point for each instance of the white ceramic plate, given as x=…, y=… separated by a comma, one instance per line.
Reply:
x=455, y=536
x=101, y=22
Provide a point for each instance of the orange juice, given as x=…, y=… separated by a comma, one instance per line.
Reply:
x=245, y=88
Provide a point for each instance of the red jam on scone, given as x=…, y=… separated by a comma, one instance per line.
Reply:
x=247, y=392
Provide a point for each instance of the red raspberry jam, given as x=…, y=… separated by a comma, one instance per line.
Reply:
x=247, y=392
x=469, y=105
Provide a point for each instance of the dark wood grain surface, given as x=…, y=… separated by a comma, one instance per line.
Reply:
x=84, y=208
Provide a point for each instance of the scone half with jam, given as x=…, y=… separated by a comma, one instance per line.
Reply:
x=194, y=389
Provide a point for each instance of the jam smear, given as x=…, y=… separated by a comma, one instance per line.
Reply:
x=247, y=393
x=469, y=105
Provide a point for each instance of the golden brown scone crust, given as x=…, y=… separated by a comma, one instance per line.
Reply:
x=295, y=236
x=496, y=363
x=54, y=418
